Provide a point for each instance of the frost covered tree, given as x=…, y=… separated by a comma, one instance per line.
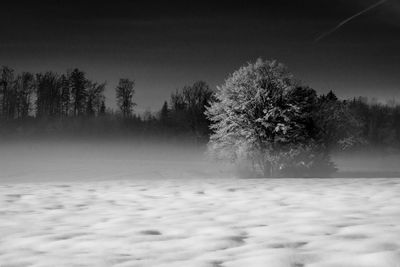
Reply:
x=262, y=116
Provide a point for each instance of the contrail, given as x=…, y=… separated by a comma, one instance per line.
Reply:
x=348, y=19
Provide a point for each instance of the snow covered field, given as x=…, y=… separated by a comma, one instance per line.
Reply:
x=201, y=222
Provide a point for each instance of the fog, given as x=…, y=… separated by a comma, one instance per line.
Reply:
x=67, y=160
x=367, y=164
x=106, y=159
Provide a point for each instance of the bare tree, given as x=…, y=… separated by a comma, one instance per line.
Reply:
x=65, y=95
x=25, y=87
x=48, y=95
x=6, y=88
x=78, y=84
x=95, y=98
x=124, y=93
x=188, y=106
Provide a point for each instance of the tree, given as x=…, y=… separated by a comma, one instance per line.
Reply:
x=102, y=110
x=336, y=126
x=48, y=95
x=12, y=101
x=7, y=94
x=124, y=93
x=78, y=84
x=188, y=106
x=25, y=87
x=65, y=95
x=95, y=99
x=197, y=98
x=164, y=114
x=260, y=115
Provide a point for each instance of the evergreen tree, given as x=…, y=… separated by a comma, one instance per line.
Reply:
x=164, y=114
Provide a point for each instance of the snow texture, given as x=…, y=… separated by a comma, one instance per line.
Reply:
x=201, y=222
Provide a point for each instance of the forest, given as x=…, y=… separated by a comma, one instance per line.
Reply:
x=35, y=104
x=69, y=105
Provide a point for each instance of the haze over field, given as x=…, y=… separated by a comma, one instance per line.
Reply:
x=59, y=161
x=102, y=160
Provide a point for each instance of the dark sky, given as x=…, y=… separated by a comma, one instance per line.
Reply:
x=164, y=46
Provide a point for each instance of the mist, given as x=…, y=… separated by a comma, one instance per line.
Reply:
x=368, y=164
x=61, y=159
x=83, y=160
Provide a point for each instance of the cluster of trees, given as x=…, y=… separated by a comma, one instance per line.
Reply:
x=185, y=113
x=71, y=103
x=261, y=117
x=379, y=124
x=49, y=95
x=264, y=118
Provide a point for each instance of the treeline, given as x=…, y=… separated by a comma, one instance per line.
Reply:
x=70, y=104
x=379, y=124
x=368, y=124
x=49, y=95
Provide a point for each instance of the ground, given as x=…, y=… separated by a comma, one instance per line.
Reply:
x=201, y=222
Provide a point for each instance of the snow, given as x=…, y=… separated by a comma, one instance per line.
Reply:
x=201, y=222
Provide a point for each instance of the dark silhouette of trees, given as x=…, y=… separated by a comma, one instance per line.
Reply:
x=48, y=95
x=124, y=93
x=188, y=106
x=25, y=86
x=65, y=95
x=164, y=114
x=380, y=124
x=8, y=97
x=15, y=93
x=336, y=125
x=103, y=108
x=78, y=84
x=95, y=99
